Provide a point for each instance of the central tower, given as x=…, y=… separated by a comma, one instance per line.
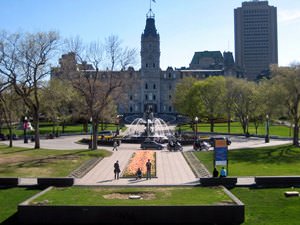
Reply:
x=150, y=65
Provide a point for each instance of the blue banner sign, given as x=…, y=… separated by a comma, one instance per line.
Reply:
x=221, y=151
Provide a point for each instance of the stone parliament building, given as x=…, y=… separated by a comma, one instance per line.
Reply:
x=154, y=88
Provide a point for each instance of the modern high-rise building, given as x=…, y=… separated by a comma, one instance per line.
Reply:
x=255, y=26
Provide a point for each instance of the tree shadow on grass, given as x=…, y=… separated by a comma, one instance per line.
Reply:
x=270, y=155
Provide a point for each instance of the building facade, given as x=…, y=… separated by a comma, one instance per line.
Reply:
x=256, y=48
x=154, y=88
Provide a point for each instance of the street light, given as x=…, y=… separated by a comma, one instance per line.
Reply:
x=91, y=142
x=196, y=133
x=25, y=127
x=267, y=138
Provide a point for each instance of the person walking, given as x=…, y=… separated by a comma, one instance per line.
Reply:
x=148, y=167
x=115, y=146
x=117, y=170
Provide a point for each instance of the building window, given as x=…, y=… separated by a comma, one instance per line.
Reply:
x=170, y=97
x=170, y=109
x=170, y=87
x=150, y=96
x=130, y=97
x=170, y=75
x=146, y=97
x=146, y=65
x=154, y=97
x=153, y=65
x=165, y=76
x=146, y=86
x=154, y=86
x=130, y=109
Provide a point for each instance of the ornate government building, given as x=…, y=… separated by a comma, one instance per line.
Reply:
x=154, y=88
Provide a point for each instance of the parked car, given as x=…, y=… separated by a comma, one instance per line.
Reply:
x=106, y=135
x=148, y=144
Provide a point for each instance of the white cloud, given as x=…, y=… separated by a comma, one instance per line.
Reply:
x=289, y=16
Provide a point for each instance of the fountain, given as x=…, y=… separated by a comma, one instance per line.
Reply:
x=148, y=127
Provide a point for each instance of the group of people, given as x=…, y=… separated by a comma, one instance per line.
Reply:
x=223, y=172
x=139, y=175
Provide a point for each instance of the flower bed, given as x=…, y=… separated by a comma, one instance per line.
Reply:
x=139, y=160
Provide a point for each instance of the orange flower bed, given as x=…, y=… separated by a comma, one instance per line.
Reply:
x=139, y=160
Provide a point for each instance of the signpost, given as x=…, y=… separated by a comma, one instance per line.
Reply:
x=221, y=152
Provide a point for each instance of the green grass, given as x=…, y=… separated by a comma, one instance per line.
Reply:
x=275, y=130
x=269, y=161
x=160, y=196
x=47, y=128
x=10, y=198
x=24, y=162
x=269, y=206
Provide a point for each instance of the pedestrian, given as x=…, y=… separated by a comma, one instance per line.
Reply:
x=139, y=174
x=148, y=167
x=215, y=172
x=223, y=172
x=115, y=146
x=117, y=170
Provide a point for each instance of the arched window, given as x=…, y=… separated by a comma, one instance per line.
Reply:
x=154, y=97
x=146, y=97
x=146, y=86
x=154, y=86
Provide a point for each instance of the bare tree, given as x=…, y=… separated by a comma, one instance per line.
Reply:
x=25, y=61
x=10, y=107
x=101, y=89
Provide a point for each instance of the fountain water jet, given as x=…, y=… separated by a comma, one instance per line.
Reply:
x=148, y=127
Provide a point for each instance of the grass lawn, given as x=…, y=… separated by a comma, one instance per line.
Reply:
x=47, y=128
x=24, y=162
x=275, y=130
x=269, y=206
x=268, y=161
x=119, y=196
x=10, y=198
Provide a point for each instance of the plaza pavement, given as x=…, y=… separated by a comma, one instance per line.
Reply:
x=172, y=169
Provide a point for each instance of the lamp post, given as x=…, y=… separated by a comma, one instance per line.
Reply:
x=247, y=126
x=25, y=127
x=267, y=138
x=196, y=131
x=91, y=142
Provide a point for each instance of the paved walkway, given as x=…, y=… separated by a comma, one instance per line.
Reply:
x=172, y=169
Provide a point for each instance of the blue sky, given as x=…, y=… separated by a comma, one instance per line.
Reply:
x=185, y=26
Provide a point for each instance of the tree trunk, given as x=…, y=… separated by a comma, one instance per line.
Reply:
x=212, y=125
x=296, y=134
x=36, y=121
x=10, y=136
x=95, y=135
x=228, y=123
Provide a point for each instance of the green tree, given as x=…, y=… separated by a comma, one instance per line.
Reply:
x=286, y=81
x=210, y=94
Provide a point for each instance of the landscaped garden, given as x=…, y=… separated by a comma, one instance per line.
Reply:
x=163, y=196
x=267, y=161
x=139, y=160
x=269, y=206
x=25, y=162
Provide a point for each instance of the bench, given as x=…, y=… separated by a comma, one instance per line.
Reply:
x=216, y=181
x=9, y=181
x=57, y=182
x=277, y=181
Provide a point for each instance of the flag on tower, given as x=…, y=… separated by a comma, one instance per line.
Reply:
x=153, y=1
